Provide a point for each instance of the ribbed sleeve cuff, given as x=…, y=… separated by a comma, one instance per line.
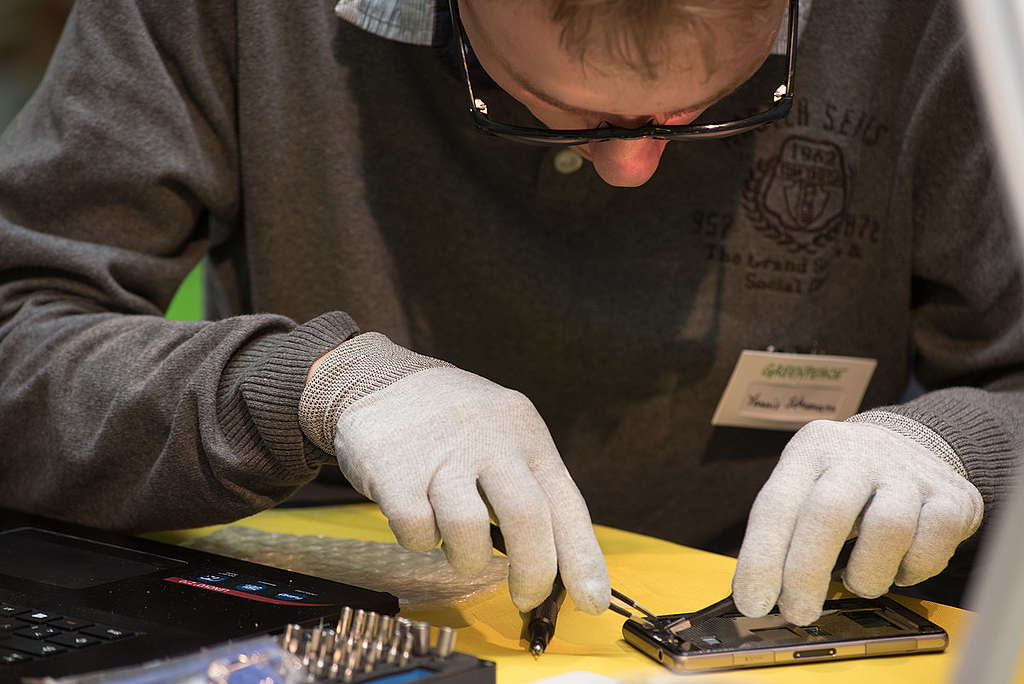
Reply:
x=971, y=421
x=259, y=403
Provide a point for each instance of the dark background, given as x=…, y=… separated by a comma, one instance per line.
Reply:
x=29, y=30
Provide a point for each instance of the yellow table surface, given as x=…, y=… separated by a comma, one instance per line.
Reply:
x=662, y=576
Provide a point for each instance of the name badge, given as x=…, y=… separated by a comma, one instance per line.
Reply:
x=776, y=391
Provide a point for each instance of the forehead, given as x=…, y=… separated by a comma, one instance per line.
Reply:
x=527, y=44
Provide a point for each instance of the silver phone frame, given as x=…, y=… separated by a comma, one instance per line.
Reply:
x=653, y=645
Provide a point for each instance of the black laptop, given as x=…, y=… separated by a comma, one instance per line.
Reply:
x=75, y=599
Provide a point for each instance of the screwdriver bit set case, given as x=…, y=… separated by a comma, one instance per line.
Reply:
x=364, y=646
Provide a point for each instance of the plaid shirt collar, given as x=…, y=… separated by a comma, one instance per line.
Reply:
x=413, y=21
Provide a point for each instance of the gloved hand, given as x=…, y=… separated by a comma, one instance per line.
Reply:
x=907, y=504
x=434, y=446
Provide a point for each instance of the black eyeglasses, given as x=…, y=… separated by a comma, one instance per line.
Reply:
x=782, y=102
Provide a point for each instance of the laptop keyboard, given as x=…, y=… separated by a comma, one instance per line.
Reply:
x=27, y=634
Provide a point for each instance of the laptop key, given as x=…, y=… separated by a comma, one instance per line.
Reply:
x=74, y=640
x=7, y=610
x=69, y=623
x=106, y=632
x=12, y=657
x=39, y=648
x=38, y=616
x=38, y=631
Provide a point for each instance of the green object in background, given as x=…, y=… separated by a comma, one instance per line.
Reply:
x=187, y=304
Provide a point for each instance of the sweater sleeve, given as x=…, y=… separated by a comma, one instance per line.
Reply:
x=114, y=180
x=968, y=328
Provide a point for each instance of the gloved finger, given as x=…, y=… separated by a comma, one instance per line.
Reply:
x=826, y=518
x=462, y=519
x=758, y=578
x=525, y=519
x=886, y=531
x=581, y=563
x=940, y=529
x=409, y=514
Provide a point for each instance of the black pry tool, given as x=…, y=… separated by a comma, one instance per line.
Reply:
x=722, y=607
x=539, y=623
x=727, y=605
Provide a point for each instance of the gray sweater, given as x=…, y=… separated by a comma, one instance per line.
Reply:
x=321, y=169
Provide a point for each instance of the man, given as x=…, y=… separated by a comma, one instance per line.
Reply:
x=326, y=166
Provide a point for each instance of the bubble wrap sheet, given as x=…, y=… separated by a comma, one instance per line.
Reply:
x=417, y=579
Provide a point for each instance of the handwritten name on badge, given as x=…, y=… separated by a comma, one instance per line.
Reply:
x=775, y=391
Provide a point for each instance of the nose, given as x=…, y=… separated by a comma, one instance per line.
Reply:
x=630, y=163
x=626, y=163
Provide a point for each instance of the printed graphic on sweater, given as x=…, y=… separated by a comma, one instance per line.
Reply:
x=798, y=198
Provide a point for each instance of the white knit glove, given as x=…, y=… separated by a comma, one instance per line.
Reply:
x=908, y=505
x=434, y=446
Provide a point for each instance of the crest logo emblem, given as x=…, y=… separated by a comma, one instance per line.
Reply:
x=798, y=198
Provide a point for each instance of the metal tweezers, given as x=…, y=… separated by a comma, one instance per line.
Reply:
x=670, y=628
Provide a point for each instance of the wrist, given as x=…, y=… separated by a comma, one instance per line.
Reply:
x=915, y=431
x=354, y=369
x=316, y=364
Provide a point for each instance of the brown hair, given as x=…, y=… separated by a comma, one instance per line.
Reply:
x=635, y=33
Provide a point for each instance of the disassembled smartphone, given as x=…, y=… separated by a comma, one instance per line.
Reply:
x=847, y=628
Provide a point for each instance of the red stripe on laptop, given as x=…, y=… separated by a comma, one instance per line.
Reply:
x=240, y=594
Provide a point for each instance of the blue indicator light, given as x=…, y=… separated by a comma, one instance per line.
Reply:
x=251, y=587
x=211, y=578
x=285, y=596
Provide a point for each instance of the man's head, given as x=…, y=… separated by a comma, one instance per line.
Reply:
x=581, y=63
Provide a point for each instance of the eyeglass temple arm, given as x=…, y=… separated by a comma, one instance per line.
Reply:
x=453, y=6
x=794, y=12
